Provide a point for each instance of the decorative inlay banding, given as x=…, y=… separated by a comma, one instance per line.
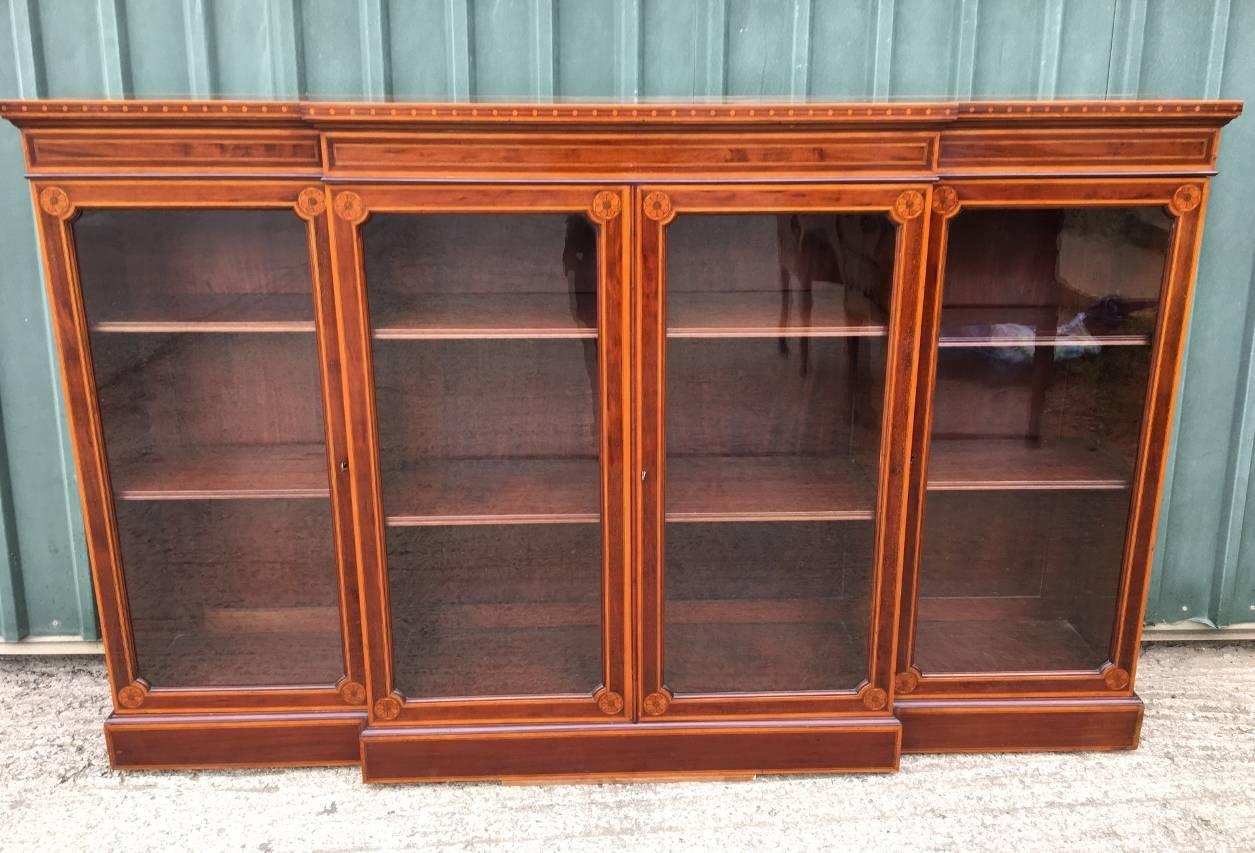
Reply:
x=905, y=682
x=1116, y=678
x=874, y=698
x=54, y=201
x=606, y=206
x=311, y=202
x=352, y=693
x=1186, y=198
x=945, y=200
x=657, y=206
x=258, y=110
x=388, y=708
x=657, y=704
x=909, y=205
x=609, y=702
x=348, y=205
x=132, y=696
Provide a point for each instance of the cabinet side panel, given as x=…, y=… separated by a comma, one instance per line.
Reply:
x=45, y=583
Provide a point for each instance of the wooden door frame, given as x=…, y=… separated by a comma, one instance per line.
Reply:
x=605, y=205
x=1185, y=200
x=58, y=202
x=658, y=205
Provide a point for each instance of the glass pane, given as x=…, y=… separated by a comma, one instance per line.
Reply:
x=486, y=377
x=1048, y=319
x=776, y=350
x=203, y=343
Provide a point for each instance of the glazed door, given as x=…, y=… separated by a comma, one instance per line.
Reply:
x=197, y=331
x=492, y=420
x=776, y=364
x=1054, y=320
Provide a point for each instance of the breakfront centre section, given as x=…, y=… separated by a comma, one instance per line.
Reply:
x=496, y=441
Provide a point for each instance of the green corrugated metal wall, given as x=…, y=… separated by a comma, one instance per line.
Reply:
x=622, y=50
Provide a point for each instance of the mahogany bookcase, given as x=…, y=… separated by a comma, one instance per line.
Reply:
x=491, y=441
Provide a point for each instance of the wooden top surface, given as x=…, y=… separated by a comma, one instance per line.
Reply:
x=620, y=116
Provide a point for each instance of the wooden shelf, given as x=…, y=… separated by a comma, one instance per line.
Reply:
x=708, y=656
x=444, y=660
x=768, y=488
x=1010, y=464
x=713, y=646
x=429, y=316
x=566, y=491
x=723, y=611
x=1019, y=645
x=756, y=314
x=957, y=324
x=493, y=491
x=224, y=472
x=209, y=314
x=749, y=314
x=292, y=647
x=993, y=341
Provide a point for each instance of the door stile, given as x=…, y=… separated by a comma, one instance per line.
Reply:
x=1185, y=202
x=352, y=206
x=312, y=206
x=58, y=204
x=898, y=448
x=657, y=208
x=56, y=209
x=353, y=328
x=611, y=209
x=1187, y=205
x=941, y=210
x=653, y=698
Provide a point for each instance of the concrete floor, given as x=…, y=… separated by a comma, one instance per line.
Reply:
x=1190, y=786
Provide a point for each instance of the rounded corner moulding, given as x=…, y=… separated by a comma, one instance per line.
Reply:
x=609, y=702
x=388, y=708
x=945, y=200
x=1185, y=198
x=311, y=202
x=352, y=692
x=348, y=206
x=657, y=206
x=606, y=205
x=656, y=703
x=909, y=205
x=874, y=698
x=906, y=681
x=132, y=695
x=54, y=201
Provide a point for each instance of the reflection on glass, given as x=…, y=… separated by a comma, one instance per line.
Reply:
x=776, y=328
x=206, y=364
x=1047, y=324
x=486, y=375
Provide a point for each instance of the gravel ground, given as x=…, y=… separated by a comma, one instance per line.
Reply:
x=1190, y=786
